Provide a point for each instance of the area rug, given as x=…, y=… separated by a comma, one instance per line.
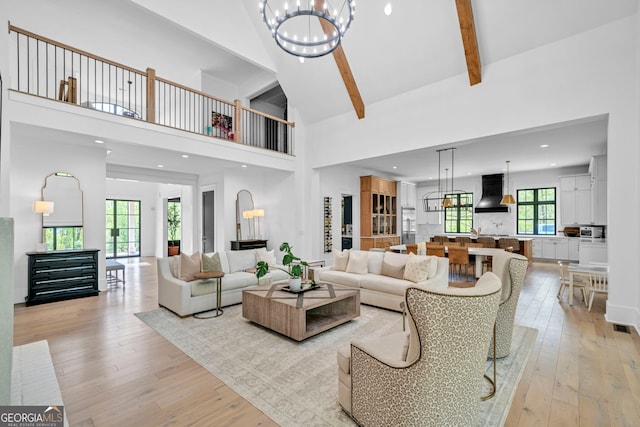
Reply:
x=296, y=383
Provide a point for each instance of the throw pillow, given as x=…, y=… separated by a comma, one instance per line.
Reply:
x=417, y=268
x=390, y=270
x=358, y=262
x=340, y=260
x=174, y=266
x=262, y=254
x=211, y=263
x=189, y=265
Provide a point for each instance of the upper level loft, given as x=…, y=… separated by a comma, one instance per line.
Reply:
x=53, y=70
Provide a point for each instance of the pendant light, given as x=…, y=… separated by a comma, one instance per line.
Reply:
x=507, y=199
x=446, y=202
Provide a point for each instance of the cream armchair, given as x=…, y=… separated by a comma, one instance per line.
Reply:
x=431, y=375
x=511, y=269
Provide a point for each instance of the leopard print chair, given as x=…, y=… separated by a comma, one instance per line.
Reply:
x=431, y=375
x=511, y=269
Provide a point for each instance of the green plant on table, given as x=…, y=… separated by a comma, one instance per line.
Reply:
x=293, y=270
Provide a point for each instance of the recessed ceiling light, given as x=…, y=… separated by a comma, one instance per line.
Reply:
x=160, y=166
x=98, y=141
x=186, y=156
x=244, y=166
x=553, y=164
x=395, y=167
x=468, y=173
x=388, y=9
x=108, y=151
x=544, y=145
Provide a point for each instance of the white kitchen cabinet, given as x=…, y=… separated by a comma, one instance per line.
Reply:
x=536, y=247
x=574, y=248
x=598, y=171
x=593, y=251
x=555, y=248
x=575, y=199
x=407, y=195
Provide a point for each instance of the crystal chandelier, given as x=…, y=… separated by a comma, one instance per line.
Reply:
x=297, y=32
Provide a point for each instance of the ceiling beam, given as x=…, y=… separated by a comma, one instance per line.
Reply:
x=343, y=67
x=469, y=40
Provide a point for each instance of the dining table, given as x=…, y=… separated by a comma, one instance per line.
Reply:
x=576, y=269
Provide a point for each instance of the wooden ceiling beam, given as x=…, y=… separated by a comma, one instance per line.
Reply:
x=344, y=68
x=469, y=41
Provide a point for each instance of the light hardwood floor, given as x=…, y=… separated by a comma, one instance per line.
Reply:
x=114, y=370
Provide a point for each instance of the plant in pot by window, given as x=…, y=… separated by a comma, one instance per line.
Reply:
x=173, y=228
x=294, y=271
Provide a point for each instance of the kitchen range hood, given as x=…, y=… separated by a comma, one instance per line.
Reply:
x=492, y=186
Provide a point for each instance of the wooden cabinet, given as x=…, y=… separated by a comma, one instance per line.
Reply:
x=61, y=275
x=378, y=213
x=575, y=199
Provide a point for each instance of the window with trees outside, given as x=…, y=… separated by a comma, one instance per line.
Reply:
x=61, y=238
x=537, y=211
x=458, y=218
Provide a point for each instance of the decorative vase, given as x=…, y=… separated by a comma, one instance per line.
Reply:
x=295, y=284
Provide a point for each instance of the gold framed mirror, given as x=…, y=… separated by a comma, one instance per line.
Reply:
x=63, y=227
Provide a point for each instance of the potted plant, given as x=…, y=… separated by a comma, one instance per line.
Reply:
x=173, y=228
x=293, y=270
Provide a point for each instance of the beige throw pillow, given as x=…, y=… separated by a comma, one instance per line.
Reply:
x=358, y=262
x=262, y=254
x=417, y=268
x=390, y=270
x=189, y=265
x=340, y=260
x=211, y=263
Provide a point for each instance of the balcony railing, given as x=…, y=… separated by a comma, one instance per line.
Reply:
x=53, y=70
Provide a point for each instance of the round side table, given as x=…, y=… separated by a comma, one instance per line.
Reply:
x=217, y=276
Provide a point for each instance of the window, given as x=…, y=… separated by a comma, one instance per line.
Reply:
x=459, y=217
x=537, y=211
x=123, y=228
x=60, y=238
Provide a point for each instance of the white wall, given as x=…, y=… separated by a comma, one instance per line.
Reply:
x=587, y=75
x=31, y=162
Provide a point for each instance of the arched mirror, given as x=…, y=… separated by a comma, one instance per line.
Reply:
x=63, y=227
x=244, y=216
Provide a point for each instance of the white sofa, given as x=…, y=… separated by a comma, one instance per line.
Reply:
x=378, y=289
x=186, y=298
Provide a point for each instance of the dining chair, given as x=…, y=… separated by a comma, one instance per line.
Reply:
x=487, y=242
x=463, y=240
x=412, y=248
x=509, y=244
x=459, y=257
x=440, y=239
x=564, y=282
x=435, y=250
x=598, y=283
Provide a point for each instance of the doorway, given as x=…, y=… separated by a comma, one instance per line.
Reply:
x=174, y=226
x=123, y=228
x=208, y=225
x=347, y=221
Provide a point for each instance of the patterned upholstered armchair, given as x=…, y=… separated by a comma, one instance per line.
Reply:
x=511, y=269
x=431, y=375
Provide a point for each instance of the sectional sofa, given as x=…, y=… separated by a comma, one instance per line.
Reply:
x=383, y=277
x=187, y=297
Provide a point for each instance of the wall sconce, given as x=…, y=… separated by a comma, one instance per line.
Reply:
x=257, y=213
x=43, y=207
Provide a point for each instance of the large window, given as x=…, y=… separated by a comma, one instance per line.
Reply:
x=537, y=211
x=123, y=228
x=459, y=217
x=59, y=238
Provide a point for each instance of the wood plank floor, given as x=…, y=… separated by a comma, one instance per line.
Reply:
x=114, y=370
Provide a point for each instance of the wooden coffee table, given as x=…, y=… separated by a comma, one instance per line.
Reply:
x=300, y=315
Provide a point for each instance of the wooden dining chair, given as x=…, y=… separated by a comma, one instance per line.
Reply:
x=458, y=258
x=463, y=240
x=440, y=239
x=564, y=282
x=435, y=250
x=509, y=244
x=412, y=248
x=598, y=283
x=487, y=242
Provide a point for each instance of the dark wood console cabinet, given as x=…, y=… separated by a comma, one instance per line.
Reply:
x=61, y=275
x=238, y=245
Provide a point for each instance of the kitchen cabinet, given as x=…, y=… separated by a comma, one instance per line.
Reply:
x=593, y=251
x=598, y=171
x=536, y=245
x=555, y=248
x=378, y=213
x=574, y=248
x=575, y=199
x=407, y=195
